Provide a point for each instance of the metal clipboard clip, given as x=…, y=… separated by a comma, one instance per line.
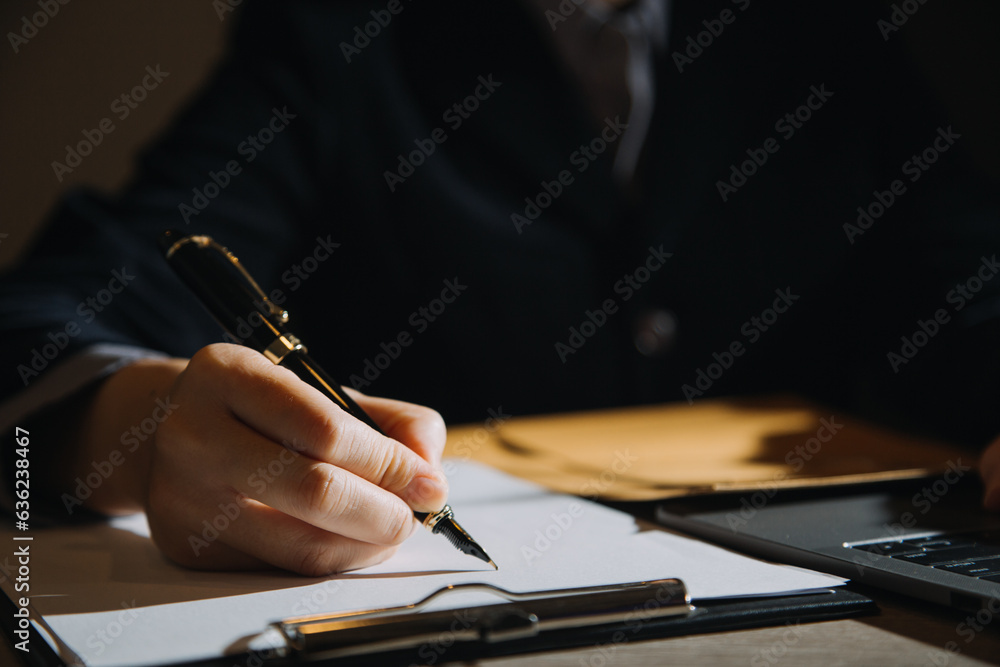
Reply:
x=523, y=615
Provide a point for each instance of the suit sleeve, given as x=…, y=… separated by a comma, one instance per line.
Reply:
x=241, y=163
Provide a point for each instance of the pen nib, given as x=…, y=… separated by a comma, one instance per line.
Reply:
x=457, y=535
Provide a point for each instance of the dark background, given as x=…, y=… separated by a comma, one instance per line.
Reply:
x=64, y=79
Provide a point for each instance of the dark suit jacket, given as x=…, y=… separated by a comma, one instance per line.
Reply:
x=763, y=146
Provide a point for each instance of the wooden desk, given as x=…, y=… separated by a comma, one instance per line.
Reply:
x=904, y=632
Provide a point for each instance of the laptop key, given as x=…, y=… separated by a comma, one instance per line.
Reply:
x=978, y=568
x=933, y=543
x=939, y=556
x=995, y=578
x=949, y=541
x=890, y=548
x=964, y=543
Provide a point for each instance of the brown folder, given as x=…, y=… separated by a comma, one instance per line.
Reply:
x=652, y=452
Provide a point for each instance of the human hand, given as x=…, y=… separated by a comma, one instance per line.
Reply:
x=255, y=467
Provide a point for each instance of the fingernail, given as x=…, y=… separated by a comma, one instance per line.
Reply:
x=427, y=491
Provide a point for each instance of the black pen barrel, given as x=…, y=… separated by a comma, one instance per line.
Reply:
x=224, y=292
x=239, y=305
x=300, y=363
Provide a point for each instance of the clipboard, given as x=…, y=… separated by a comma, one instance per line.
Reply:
x=566, y=593
x=523, y=616
x=598, y=616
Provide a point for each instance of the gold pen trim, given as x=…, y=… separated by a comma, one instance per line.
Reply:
x=281, y=347
x=203, y=241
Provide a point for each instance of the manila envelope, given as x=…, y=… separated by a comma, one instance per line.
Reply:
x=655, y=452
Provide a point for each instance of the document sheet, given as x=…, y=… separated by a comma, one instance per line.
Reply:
x=113, y=600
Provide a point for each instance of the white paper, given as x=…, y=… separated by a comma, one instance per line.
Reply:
x=115, y=601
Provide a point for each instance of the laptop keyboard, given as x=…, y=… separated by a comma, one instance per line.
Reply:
x=972, y=554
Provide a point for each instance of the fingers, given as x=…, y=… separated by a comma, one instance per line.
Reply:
x=419, y=428
x=989, y=469
x=255, y=467
x=315, y=492
x=253, y=536
x=272, y=401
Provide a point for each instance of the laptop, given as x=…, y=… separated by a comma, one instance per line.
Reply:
x=929, y=538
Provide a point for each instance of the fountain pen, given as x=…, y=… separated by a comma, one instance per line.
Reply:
x=240, y=307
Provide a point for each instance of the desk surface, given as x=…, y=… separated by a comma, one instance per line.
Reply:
x=904, y=632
